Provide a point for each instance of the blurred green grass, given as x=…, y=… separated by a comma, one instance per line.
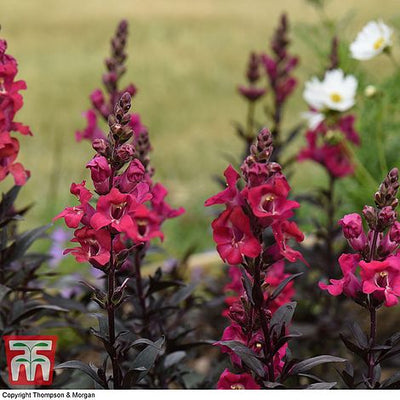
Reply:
x=185, y=56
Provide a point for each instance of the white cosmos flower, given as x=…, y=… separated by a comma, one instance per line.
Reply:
x=336, y=91
x=313, y=118
x=374, y=38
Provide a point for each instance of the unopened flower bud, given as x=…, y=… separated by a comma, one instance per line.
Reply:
x=351, y=225
x=387, y=192
x=125, y=153
x=370, y=91
x=253, y=74
x=125, y=102
x=370, y=216
x=386, y=218
x=237, y=313
x=101, y=147
x=100, y=172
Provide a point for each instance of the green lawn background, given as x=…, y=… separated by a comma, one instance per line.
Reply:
x=185, y=56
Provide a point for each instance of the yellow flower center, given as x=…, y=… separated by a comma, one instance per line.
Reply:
x=383, y=274
x=237, y=386
x=336, y=97
x=379, y=43
x=258, y=345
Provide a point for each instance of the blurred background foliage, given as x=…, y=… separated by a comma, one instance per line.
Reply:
x=186, y=58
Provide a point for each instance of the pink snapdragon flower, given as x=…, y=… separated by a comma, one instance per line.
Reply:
x=73, y=216
x=115, y=210
x=331, y=153
x=382, y=279
x=231, y=195
x=92, y=131
x=125, y=210
x=11, y=102
x=254, y=231
x=270, y=200
x=231, y=381
x=377, y=257
x=235, y=333
x=9, y=149
x=95, y=246
x=353, y=231
x=350, y=284
x=284, y=231
x=233, y=236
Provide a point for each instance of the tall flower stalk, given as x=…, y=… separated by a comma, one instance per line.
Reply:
x=257, y=203
x=276, y=69
x=11, y=102
x=371, y=278
x=330, y=134
x=114, y=230
x=279, y=68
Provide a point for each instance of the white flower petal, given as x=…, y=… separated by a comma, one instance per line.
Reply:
x=372, y=40
x=335, y=92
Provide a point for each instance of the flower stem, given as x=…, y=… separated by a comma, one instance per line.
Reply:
x=258, y=300
x=372, y=339
x=394, y=61
x=111, y=320
x=381, y=140
x=139, y=287
x=331, y=259
x=361, y=168
x=250, y=127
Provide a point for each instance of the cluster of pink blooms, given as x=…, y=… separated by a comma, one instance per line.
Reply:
x=326, y=145
x=327, y=142
x=10, y=102
x=377, y=254
x=129, y=209
x=260, y=207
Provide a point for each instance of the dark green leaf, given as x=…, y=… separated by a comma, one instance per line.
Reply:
x=8, y=200
x=358, y=335
x=322, y=385
x=273, y=385
x=147, y=357
x=85, y=368
x=390, y=354
x=142, y=341
x=3, y=291
x=131, y=377
x=22, y=360
x=282, y=285
x=354, y=348
x=282, y=316
x=393, y=382
x=174, y=358
x=23, y=242
x=247, y=284
x=29, y=311
x=394, y=339
x=156, y=286
x=39, y=360
x=306, y=365
x=246, y=355
x=182, y=294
